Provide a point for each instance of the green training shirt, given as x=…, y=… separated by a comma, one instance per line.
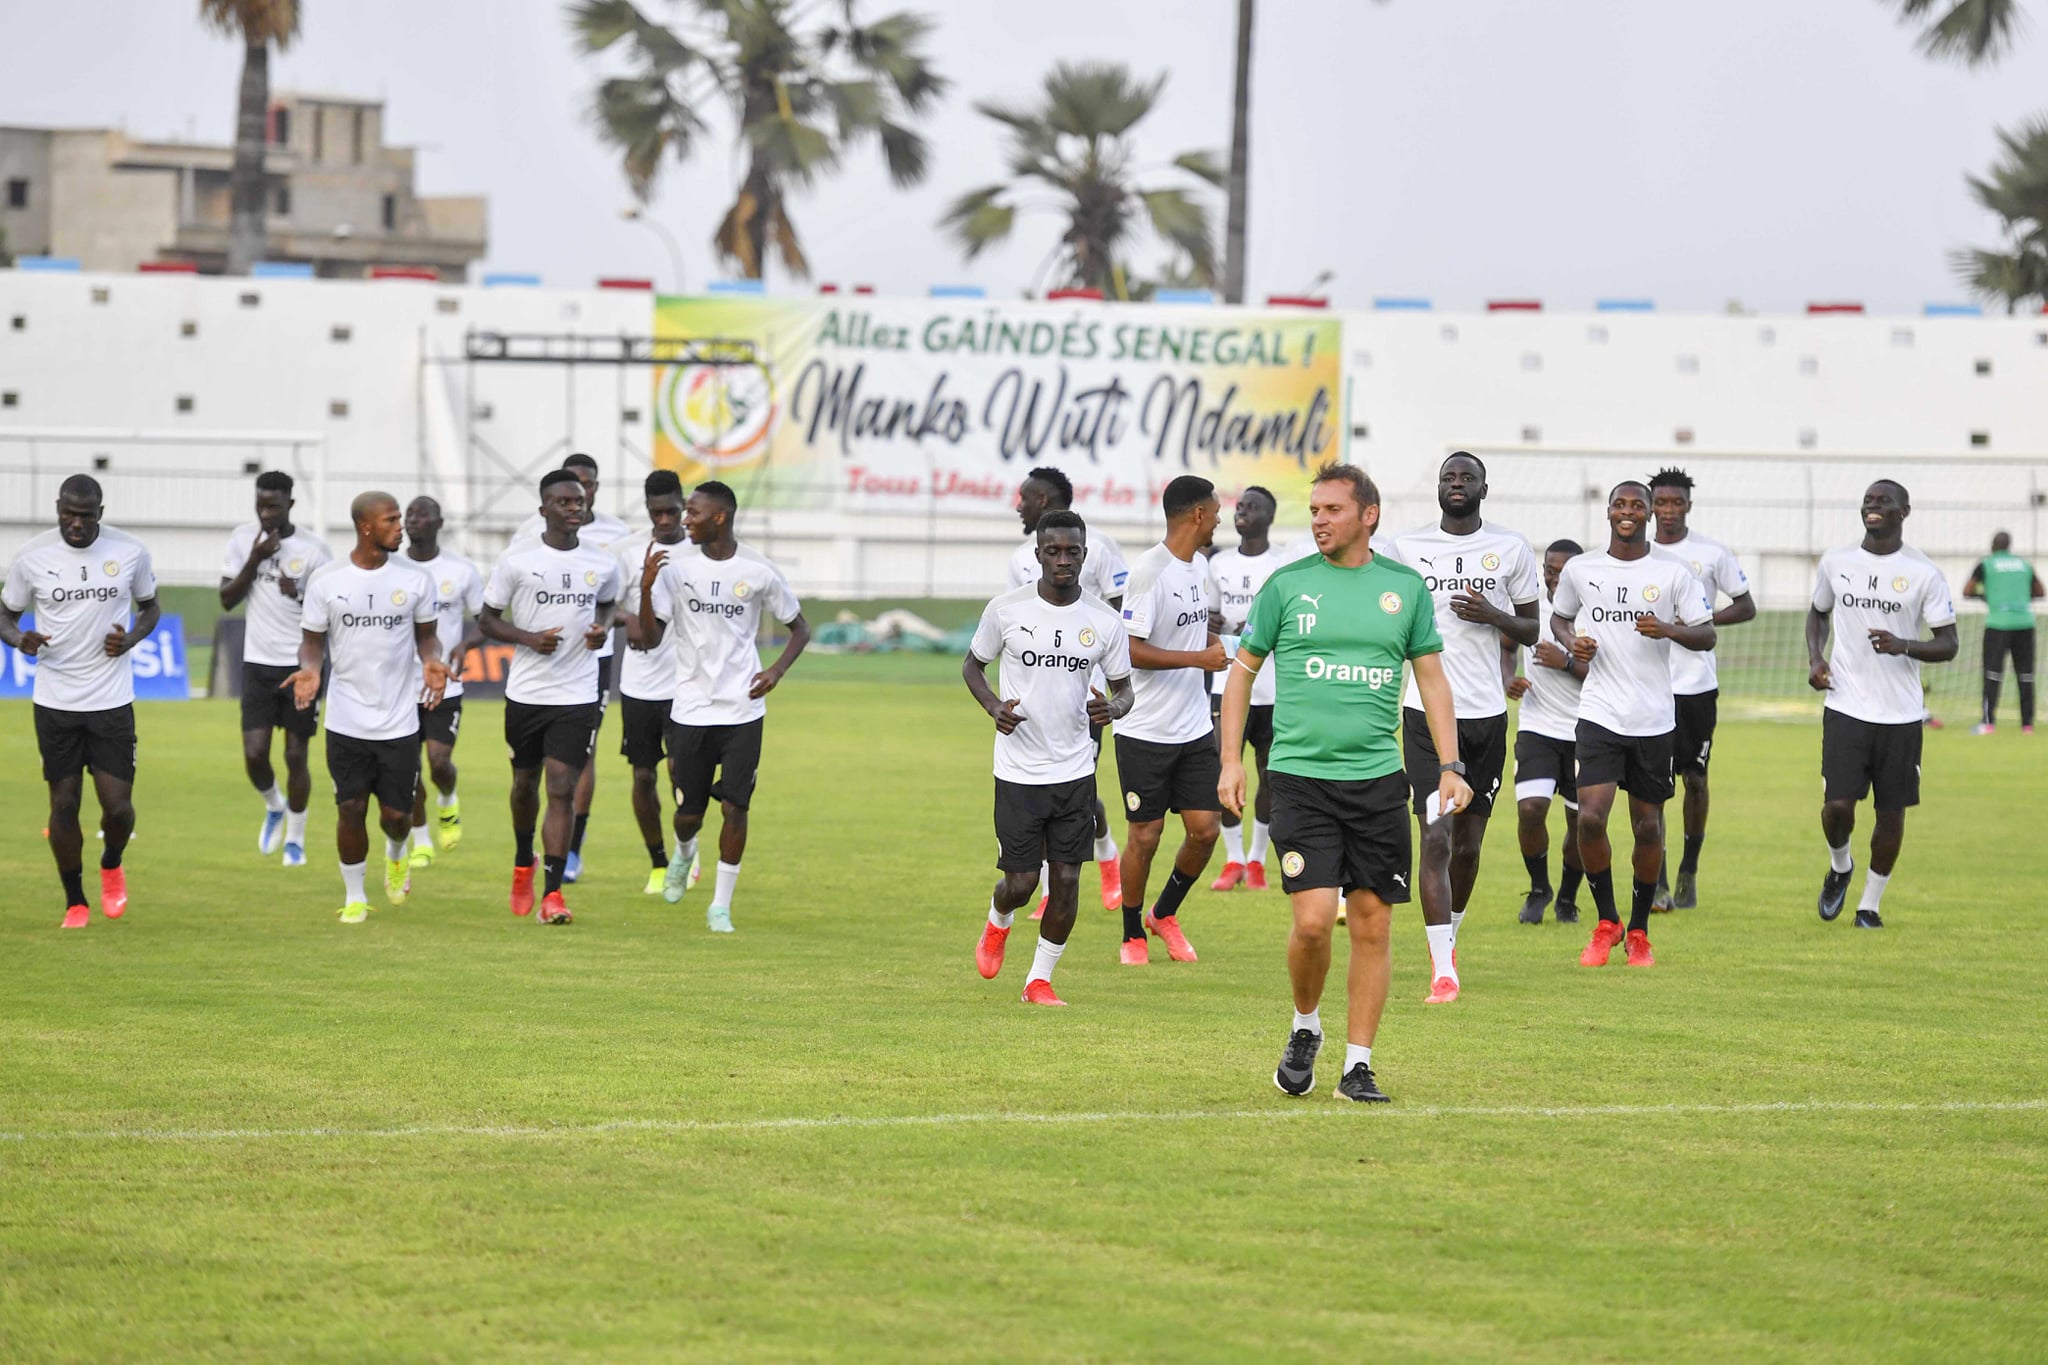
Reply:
x=1336, y=639
x=2008, y=592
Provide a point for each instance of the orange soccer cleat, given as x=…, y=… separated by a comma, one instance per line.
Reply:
x=522, y=890
x=1639, y=954
x=113, y=891
x=1112, y=885
x=553, y=910
x=1255, y=876
x=1133, y=953
x=1606, y=934
x=1038, y=991
x=988, y=954
x=1232, y=874
x=1442, y=991
x=1177, y=946
x=77, y=917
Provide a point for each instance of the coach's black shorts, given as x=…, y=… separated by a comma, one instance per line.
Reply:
x=1054, y=823
x=1157, y=778
x=567, y=734
x=645, y=724
x=388, y=769
x=1541, y=758
x=440, y=725
x=1861, y=756
x=1258, y=724
x=733, y=752
x=1692, y=742
x=1482, y=748
x=74, y=741
x=267, y=702
x=1355, y=836
x=1639, y=764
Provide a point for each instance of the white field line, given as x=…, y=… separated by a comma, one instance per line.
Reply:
x=840, y=1122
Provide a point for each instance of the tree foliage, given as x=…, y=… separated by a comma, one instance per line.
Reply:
x=2016, y=190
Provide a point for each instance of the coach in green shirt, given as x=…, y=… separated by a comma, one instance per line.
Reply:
x=2008, y=586
x=1338, y=627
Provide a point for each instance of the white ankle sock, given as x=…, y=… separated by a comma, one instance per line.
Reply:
x=273, y=799
x=1262, y=837
x=420, y=837
x=998, y=918
x=1044, y=960
x=1312, y=1021
x=1457, y=918
x=394, y=849
x=1354, y=1054
x=1105, y=849
x=295, y=827
x=1839, y=859
x=1442, y=939
x=685, y=851
x=728, y=875
x=352, y=883
x=1873, y=890
x=1233, y=843
x=444, y=799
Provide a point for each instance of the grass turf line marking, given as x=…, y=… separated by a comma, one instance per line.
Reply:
x=770, y=1125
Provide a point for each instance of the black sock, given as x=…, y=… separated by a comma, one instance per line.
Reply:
x=658, y=854
x=1568, y=884
x=1689, y=862
x=74, y=886
x=1539, y=870
x=1603, y=894
x=1178, y=884
x=1639, y=905
x=109, y=861
x=1134, y=921
x=556, y=866
x=576, y=839
x=522, y=846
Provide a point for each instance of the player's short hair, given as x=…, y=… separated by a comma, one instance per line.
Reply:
x=274, y=481
x=1185, y=493
x=1904, y=496
x=555, y=476
x=580, y=461
x=1628, y=483
x=433, y=506
x=1061, y=486
x=1564, y=547
x=1464, y=455
x=1671, y=477
x=1062, y=519
x=359, y=508
x=81, y=486
x=662, y=483
x=1362, y=487
x=1260, y=488
x=718, y=493
x=2001, y=541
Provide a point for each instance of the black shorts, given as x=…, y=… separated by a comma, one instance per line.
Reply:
x=73, y=741
x=1258, y=724
x=1482, y=748
x=267, y=702
x=1692, y=742
x=388, y=769
x=1354, y=836
x=1639, y=764
x=1541, y=758
x=567, y=734
x=1157, y=778
x=733, y=752
x=1861, y=756
x=1053, y=823
x=607, y=672
x=440, y=725
x=645, y=724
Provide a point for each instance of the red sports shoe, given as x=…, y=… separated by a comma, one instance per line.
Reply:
x=1112, y=884
x=1255, y=876
x=553, y=910
x=1039, y=913
x=113, y=891
x=1606, y=934
x=988, y=954
x=1639, y=954
x=77, y=917
x=522, y=890
x=1233, y=873
x=1133, y=953
x=1177, y=946
x=1442, y=991
x=1038, y=991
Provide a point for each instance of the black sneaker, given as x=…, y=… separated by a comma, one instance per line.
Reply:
x=1297, y=1071
x=1567, y=912
x=1834, y=892
x=1359, y=1085
x=1660, y=902
x=1868, y=919
x=1686, y=895
x=1532, y=908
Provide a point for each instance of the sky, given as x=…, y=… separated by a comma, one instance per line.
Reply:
x=1767, y=152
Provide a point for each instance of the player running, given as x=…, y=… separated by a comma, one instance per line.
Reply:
x=458, y=597
x=2008, y=586
x=267, y=563
x=1051, y=637
x=551, y=599
x=1484, y=583
x=1546, y=738
x=1694, y=677
x=1166, y=756
x=1619, y=613
x=647, y=679
x=373, y=614
x=1877, y=595
x=715, y=598
x=1337, y=629
x=1239, y=574
x=84, y=581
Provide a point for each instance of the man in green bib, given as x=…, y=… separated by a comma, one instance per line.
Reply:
x=2008, y=586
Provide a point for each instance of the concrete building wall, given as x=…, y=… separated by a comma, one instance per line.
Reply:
x=110, y=219
x=25, y=155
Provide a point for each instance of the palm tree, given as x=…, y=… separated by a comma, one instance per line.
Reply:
x=259, y=24
x=1076, y=143
x=800, y=99
x=1974, y=32
x=2017, y=191
x=1240, y=159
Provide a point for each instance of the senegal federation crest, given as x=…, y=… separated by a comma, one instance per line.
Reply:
x=1291, y=862
x=398, y=597
x=1899, y=583
x=590, y=578
x=1087, y=637
x=296, y=567
x=1651, y=592
x=111, y=567
x=447, y=587
x=1390, y=602
x=1130, y=800
x=1489, y=562
x=742, y=590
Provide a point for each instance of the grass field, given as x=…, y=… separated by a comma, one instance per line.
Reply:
x=230, y=1127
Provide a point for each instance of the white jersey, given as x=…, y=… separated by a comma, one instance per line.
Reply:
x=717, y=604
x=647, y=674
x=1551, y=705
x=535, y=586
x=602, y=531
x=1167, y=604
x=1628, y=684
x=458, y=593
x=1239, y=577
x=1103, y=573
x=1493, y=561
x=1719, y=572
x=78, y=596
x=1048, y=655
x=369, y=618
x=272, y=635
x=1899, y=592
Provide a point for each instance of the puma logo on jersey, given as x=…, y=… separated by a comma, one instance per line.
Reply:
x=1316, y=601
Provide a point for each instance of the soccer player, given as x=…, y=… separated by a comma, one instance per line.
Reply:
x=458, y=597
x=1166, y=756
x=2008, y=586
x=1484, y=584
x=1103, y=574
x=84, y=581
x=647, y=679
x=267, y=563
x=1619, y=613
x=1336, y=630
x=1877, y=596
x=1239, y=574
x=551, y=599
x=374, y=615
x=1693, y=674
x=1050, y=637
x=715, y=598
x=1545, y=765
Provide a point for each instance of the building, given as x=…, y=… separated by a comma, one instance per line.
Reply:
x=340, y=200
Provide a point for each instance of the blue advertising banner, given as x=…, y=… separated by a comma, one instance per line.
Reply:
x=159, y=664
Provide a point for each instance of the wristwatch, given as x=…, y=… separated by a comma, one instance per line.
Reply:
x=1458, y=768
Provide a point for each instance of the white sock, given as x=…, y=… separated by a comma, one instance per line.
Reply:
x=998, y=918
x=728, y=874
x=1312, y=1021
x=1354, y=1054
x=1045, y=881
x=686, y=852
x=1105, y=849
x=1233, y=843
x=1262, y=838
x=394, y=849
x=1873, y=890
x=1457, y=918
x=1442, y=939
x=1839, y=859
x=1044, y=960
x=295, y=827
x=444, y=799
x=273, y=799
x=352, y=883
x=420, y=837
